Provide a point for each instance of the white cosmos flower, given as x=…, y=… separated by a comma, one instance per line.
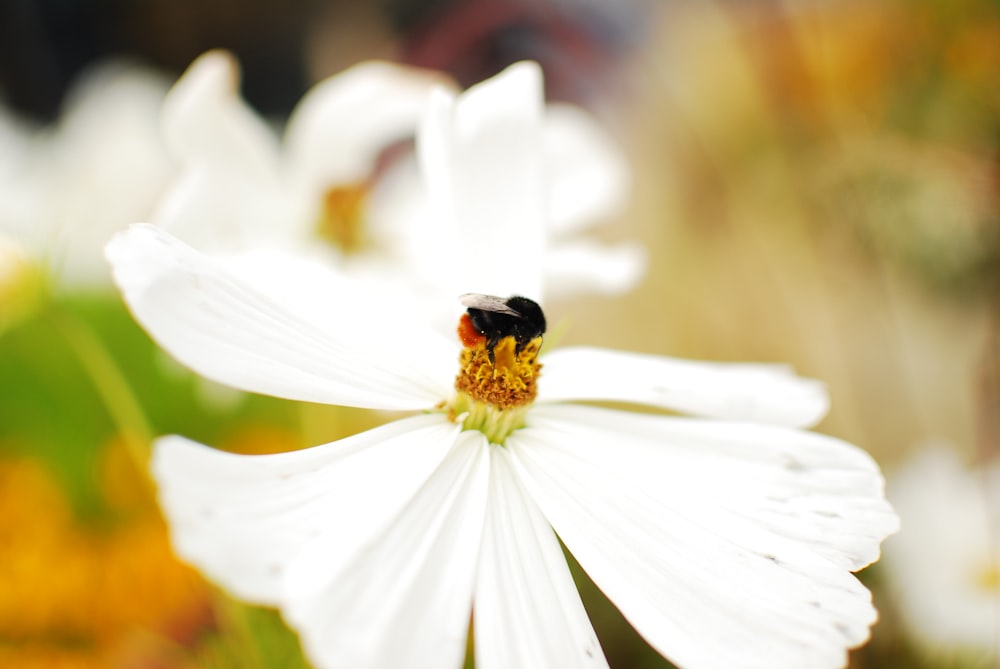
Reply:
x=18, y=138
x=243, y=189
x=945, y=566
x=501, y=170
x=727, y=538
x=64, y=190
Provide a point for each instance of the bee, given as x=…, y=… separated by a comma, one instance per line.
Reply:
x=495, y=318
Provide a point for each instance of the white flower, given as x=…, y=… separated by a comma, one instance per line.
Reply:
x=945, y=566
x=21, y=275
x=103, y=166
x=727, y=540
x=17, y=140
x=503, y=171
x=243, y=189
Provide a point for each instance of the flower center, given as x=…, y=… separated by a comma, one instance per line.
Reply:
x=988, y=578
x=341, y=218
x=494, y=395
x=22, y=284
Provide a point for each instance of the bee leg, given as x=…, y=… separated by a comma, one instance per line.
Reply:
x=491, y=344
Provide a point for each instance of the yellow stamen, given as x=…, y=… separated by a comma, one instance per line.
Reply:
x=510, y=381
x=493, y=397
x=988, y=578
x=341, y=219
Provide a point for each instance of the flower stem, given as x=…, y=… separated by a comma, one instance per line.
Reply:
x=109, y=383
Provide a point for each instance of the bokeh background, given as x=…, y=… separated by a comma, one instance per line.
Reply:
x=816, y=182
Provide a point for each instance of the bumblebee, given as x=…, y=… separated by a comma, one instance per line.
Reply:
x=495, y=318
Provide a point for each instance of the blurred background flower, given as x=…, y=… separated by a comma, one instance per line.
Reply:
x=814, y=182
x=67, y=186
x=945, y=570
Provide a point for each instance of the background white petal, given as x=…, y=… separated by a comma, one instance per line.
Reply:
x=102, y=167
x=943, y=564
x=588, y=173
x=528, y=612
x=403, y=601
x=206, y=121
x=582, y=265
x=241, y=519
x=746, y=392
x=337, y=131
x=481, y=155
x=215, y=210
x=225, y=327
x=24, y=171
x=725, y=545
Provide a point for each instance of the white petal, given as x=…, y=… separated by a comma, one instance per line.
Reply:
x=751, y=392
x=106, y=166
x=216, y=210
x=206, y=121
x=585, y=266
x=725, y=545
x=17, y=136
x=588, y=174
x=527, y=612
x=809, y=487
x=403, y=601
x=399, y=219
x=337, y=131
x=939, y=565
x=241, y=519
x=224, y=327
x=482, y=158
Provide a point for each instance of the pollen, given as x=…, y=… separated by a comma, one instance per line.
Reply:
x=468, y=333
x=342, y=214
x=493, y=397
x=508, y=382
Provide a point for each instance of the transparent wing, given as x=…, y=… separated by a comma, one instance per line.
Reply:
x=487, y=303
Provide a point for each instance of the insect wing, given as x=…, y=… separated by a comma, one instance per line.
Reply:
x=491, y=303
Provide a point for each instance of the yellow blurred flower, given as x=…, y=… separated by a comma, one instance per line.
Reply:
x=22, y=284
x=75, y=596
